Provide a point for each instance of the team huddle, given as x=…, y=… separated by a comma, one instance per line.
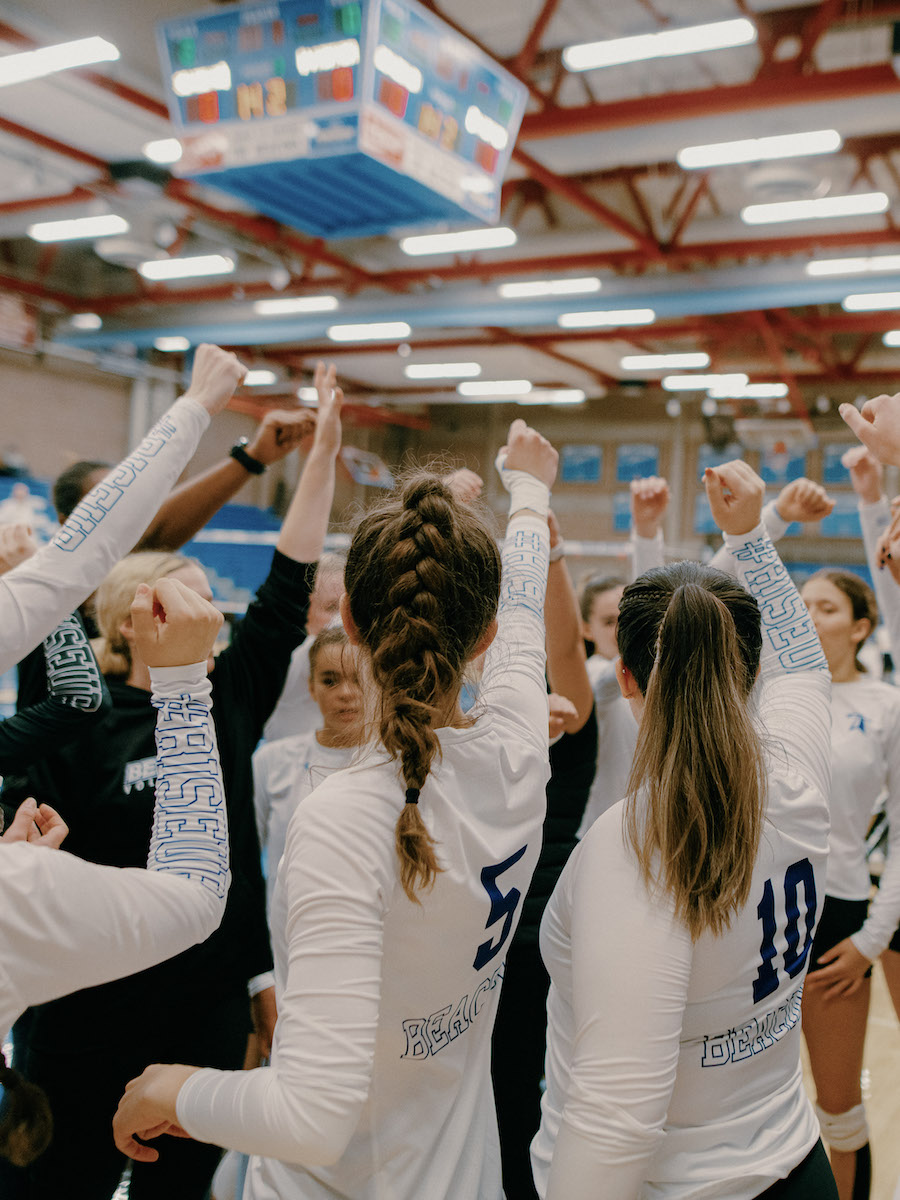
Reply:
x=482, y=915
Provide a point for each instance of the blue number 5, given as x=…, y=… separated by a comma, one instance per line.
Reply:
x=501, y=905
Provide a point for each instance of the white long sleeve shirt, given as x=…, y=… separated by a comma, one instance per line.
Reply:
x=380, y=1078
x=874, y=519
x=36, y=595
x=69, y=924
x=673, y=1068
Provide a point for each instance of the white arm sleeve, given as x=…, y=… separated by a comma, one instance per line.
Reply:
x=646, y=553
x=514, y=682
x=70, y=924
x=629, y=991
x=884, y=909
x=874, y=519
x=36, y=595
x=776, y=527
x=795, y=686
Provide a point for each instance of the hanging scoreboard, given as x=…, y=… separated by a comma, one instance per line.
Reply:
x=341, y=117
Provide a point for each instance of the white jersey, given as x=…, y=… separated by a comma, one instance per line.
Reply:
x=380, y=1079
x=69, y=924
x=865, y=740
x=36, y=595
x=296, y=713
x=673, y=1068
x=284, y=772
x=874, y=520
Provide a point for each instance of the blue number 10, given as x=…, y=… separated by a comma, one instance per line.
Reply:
x=766, y=980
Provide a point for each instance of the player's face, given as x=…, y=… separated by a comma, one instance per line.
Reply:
x=600, y=627
x=832, y=615
x=334, y=685
x=325, y=602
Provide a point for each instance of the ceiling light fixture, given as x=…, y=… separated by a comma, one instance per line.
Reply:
x=86, y=321
x=452, y=370
x=664, y=362
x=862, y=204
x=786, y=145
x=78, y=227
x=457, y=243
x=854, y=266
x=170, y=344
x=608, y=319
x=163, y=151
x=260, y=377
x=750, y=391
x=703, y=383
x=495, y=387
x=295, y=304
x=549, y=287
x=186, y=268
x=377, y=331
x=554, y=396
x=718, y=35
x=891, y=338
x=47, y=60
x=870, y=301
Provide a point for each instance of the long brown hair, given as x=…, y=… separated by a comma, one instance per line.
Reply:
x=423, y=583
x=690, y=637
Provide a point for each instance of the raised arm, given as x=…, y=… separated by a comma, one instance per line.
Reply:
x=796, y=692
x=37, y=594
x=566, y=658
x=191, y=505
x=649, y=502
x=800, y=500
x=71, y=924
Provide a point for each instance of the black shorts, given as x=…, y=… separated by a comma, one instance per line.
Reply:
x=894, y=943
x=839, y=919
x=811, y=1180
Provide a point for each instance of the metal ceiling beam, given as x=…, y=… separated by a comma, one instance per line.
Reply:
x=49, y=143
x=776, y=91
x=77, y=196
x=524, y=60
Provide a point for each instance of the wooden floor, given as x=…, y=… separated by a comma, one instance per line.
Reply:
x=881, y=1090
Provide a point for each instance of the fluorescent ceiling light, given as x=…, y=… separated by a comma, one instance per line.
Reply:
x=891, y=338
x=329, y=56
x=496, y=387
x=389, y=63
x=699, y=383
x=308, y=395
x=750, y=391
x=811, y=210
x=870, y=301
x=259, y=378
x=78, y=227
x=377, y=331
x=194, y=81
x=456, y=243
x=786, y=145
x=719, y=35
x=453, y=370
x=164, y=150
x=46, y=60
x=186, y=268
x=549, y=287
x=854, y=266
x=86, y=321
x=609, y=319
x=554, y=396
x=296, y=304
x=168, y=344
x=664, y=362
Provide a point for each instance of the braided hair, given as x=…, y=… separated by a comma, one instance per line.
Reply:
x=423, y=584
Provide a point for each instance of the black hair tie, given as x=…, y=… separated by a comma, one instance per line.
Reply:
x=412, y=795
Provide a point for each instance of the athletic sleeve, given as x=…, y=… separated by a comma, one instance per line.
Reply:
x=646, y=553
x=76, y=694
x=629, y=991
x=514, y=682
x=70, y=924
x=776, y=527
x=874, y=519
x=339, y=875
x=884, y=909
x=36, y=595
x=795, y=691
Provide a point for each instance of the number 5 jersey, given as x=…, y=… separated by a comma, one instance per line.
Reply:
x=380, y=1078
x=673, y=1068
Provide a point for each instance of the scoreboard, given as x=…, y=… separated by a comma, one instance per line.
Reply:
x=341, y=117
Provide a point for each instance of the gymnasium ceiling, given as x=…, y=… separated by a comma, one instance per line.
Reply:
x=593, y=190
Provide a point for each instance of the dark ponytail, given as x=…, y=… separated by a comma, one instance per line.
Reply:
x=690, y=637
x=26, y=1124
x=423, y=582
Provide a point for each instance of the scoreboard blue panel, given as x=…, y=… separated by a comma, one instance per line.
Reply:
x=341, y=117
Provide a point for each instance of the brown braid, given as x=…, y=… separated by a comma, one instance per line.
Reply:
x=423, y=581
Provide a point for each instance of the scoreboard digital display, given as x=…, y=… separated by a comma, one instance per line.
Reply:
x=416, y=123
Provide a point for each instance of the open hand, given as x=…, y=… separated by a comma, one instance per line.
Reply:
x=844, y=973
x=877, y=426
x=38, y=824
x=331, y=400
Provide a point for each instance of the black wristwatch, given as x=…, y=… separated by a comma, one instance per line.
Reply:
x=239, y=453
